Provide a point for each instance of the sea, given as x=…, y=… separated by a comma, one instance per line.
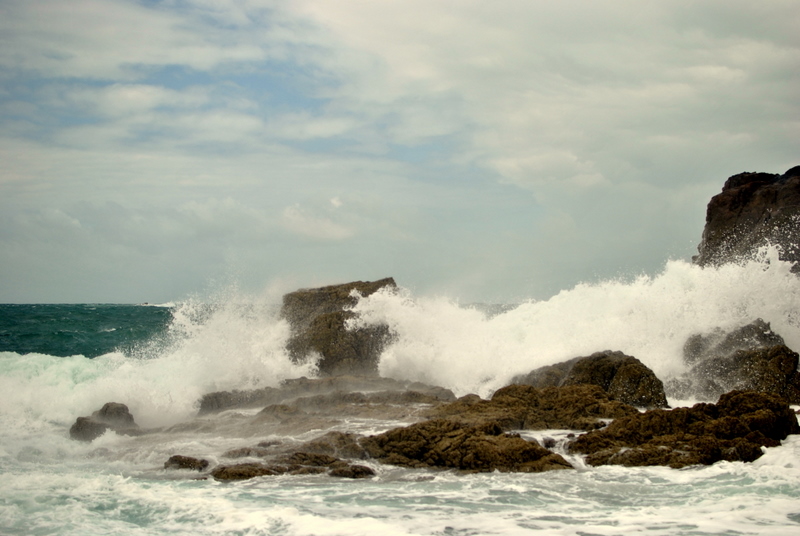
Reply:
x=61, y=361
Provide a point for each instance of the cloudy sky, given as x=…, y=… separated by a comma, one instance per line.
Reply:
x=488, y=151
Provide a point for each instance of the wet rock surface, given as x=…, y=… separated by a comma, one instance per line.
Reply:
x=623, y=377
x=446, y=443
x=186, y=462
x=523, y=407
x=734, y=429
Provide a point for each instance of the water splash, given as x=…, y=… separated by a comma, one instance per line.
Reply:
x=462, y=348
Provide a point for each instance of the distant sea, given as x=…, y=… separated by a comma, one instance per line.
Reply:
x=58, y=362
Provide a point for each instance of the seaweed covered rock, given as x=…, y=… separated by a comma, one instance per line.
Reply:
x=734, y=429
x=449, y=444
x=623, y=377
x=112, y=416
x=523, y=407
x=318, y=318
x=752, y=210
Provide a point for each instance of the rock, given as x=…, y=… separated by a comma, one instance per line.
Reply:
x=340, y=444
x=752, y=357
x=186, y=462
x=297, y=463
x=87, y=429
x=352, y=471
x=112, y=415
x=623, y=377
x=242, y=471
x=247, y=452
x=318, y=320
x=734, y=429
x=449, y=444
x=523, y=407
x=291, y=390
x=753, y=209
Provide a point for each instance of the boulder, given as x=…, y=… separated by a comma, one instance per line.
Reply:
x=734, y=429
x=751, y=357
x=523, y=407
x=752, y=210
x=186, y=462
x=623, y=377
x=318, y=318
x=112, y=416
x=449, y=444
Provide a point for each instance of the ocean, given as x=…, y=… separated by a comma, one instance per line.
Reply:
x=58, y=362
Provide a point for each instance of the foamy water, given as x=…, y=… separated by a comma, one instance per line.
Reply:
x=52, y=485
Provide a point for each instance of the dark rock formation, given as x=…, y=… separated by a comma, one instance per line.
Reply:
x=702, y=346
x=734, y=429
x=291, y=390
x=113, y=416
x=752, y=357
x=751, y=210
x=450, y=444
x=523, y=407
x=623, y=377
x=318, y=320
x=186, y=462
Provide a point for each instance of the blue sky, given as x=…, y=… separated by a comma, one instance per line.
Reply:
x=488, y=151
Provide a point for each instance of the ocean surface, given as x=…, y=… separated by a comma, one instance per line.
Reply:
x=58, y=362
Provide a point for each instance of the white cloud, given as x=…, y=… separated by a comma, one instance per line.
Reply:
x=298, y=220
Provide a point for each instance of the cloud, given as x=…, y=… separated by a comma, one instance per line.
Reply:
x=500, y=148
x=298, y=220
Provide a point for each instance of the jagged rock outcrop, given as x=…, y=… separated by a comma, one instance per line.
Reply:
x=112, y=416
x=523, y=407
x=623, y=377
x=318, y=319
x=734, y=429
x=751, y=210
x=752, y=357
x=450, y=444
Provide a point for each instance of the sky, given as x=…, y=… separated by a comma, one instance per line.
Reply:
x=485, y=151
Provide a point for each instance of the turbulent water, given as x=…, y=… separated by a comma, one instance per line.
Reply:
x=58, y=362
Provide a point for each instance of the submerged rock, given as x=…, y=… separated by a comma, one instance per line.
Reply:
x=112, y=416
x=623, y=377
x=449, y=444
x=752, y=210
x=734, y=429
x=318, y=318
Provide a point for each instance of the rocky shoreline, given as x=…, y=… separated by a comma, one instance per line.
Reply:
x=614, y=406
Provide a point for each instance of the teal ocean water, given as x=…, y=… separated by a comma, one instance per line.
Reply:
x=58, y=362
